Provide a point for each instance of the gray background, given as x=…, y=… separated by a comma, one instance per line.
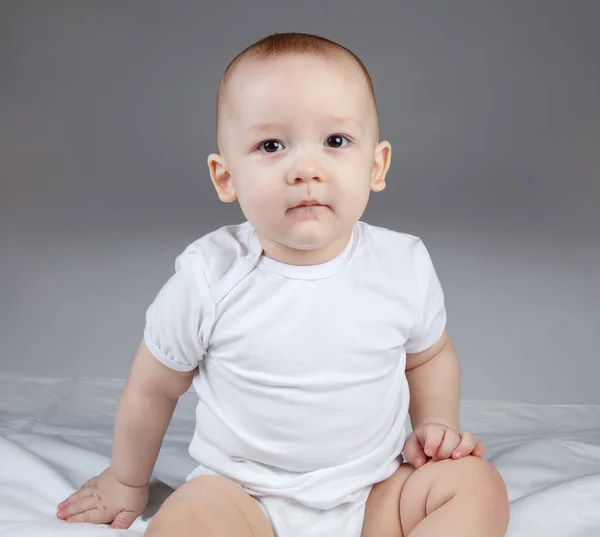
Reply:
x=492, y=108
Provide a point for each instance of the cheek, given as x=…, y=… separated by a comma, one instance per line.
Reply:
x=357, y=178
x=256, y=193
x=354, y=194
x=359, y=200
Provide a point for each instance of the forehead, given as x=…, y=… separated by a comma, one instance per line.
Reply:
x=298, y=86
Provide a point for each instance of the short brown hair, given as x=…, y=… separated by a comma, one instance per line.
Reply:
x=283, y=44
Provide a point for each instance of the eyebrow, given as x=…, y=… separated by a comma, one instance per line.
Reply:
x=262, y=127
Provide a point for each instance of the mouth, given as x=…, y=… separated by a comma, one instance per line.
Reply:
x=309, y=203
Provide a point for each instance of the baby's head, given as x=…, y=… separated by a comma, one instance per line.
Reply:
x=297, y=123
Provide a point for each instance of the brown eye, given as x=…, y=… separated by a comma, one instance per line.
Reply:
x=337, y=140
x=270, y=146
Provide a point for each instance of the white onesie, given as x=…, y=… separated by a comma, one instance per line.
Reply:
x=303, y=399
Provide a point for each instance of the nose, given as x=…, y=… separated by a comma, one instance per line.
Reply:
x=305, y=170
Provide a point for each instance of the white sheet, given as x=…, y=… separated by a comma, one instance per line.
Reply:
x=56, y=433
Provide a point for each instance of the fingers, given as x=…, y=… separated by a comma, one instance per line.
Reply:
x=478, y=450
x=448, y=445
x=466, y=446
x=440, y=442
x=79, y=495
x=93, y=516
x=433, y=435
x=423, y=443
x=77, y=507
x=413, y=452
x=123, y=520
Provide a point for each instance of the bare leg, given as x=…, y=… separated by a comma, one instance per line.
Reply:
x=454, y=498
x=209, y=506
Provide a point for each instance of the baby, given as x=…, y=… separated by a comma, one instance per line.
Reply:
x=303, y=331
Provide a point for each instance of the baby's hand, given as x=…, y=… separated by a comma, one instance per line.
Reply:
x=105, y=500
x=440, y=442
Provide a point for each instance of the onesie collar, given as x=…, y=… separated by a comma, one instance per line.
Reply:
x=304, y=272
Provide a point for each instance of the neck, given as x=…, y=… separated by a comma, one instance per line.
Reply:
x=292, y=256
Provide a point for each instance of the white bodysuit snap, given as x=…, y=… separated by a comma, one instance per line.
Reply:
x=303, y=398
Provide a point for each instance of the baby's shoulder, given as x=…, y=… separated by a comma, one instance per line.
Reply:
x=391, y=245
x=218, y=253
x=397, y=257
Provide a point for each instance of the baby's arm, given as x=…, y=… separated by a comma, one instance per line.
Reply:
x=434, y=382
x=120, y=493
x=145, y=410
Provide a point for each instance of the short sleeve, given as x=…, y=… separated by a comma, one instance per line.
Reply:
x=177, y=322
x=431, y=317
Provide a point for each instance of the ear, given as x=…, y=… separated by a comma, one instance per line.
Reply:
x=381, y=165
x=220, y=178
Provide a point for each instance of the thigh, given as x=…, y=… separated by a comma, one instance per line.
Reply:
x=382, y=511
x=399, y=503
x=474, y=485
x=213, y=505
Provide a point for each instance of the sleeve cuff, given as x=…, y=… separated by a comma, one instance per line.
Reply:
x=424, y=345
x=162, y=357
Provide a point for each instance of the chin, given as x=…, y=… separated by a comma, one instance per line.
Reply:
x=309, y=239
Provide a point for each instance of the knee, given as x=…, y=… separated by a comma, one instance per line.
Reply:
x=479, y=482
x=482, y=478
x=472, y=479
x=182, y=518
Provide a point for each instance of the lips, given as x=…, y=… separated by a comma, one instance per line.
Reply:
x=309, y=203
